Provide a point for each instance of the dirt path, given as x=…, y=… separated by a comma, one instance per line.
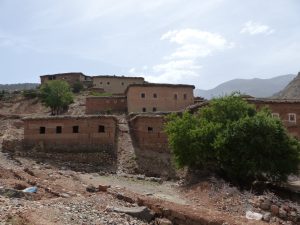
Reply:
x=165, y=191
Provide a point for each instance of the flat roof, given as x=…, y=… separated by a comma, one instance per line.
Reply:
x=158, y=85
x=270, y=100
x=68, y=117
x=117, y=77
x=63, y=74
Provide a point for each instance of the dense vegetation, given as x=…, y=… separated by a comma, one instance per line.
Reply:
x=234, y=139
x=57, y=95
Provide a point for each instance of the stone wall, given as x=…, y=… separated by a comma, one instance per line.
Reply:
x=112, y=104
x=59, y=134
x=159, y=97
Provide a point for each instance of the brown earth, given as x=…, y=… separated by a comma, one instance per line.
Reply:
x=62, y=196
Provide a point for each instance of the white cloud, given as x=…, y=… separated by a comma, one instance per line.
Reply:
x=192, y=44
x=254, y=28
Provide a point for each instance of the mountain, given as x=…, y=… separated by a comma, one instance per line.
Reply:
x=291, y=91
x=255, y=87
x=17, y=87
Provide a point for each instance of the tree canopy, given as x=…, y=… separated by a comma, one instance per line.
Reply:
x=57, y=95
x=231, y=137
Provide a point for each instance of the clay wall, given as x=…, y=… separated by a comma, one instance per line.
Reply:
x=115, y=84
x=113, y=104
x=95, y=133
x=287, y=111
x=70, y=78
x=165, y=98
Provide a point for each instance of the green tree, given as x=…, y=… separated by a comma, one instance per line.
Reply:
x=57, y=95
x=77, y=87
x=230, y=136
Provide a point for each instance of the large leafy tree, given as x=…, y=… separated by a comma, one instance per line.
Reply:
x=57, y=95
x=231, y=137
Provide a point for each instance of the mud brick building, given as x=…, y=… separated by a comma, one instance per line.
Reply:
x=148, y=132
x=71, y=133
x=71, y=78
x=153, y=97
x=115, y=84
x=111, y=104
x=287, y=110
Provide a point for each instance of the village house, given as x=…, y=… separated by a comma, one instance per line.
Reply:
x=71, y=78
x=105, y=104
x=286, y=110
x=71, y=133
x=115, y=84
x=153, y=97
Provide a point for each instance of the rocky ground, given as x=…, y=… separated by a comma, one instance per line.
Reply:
x=69, y=193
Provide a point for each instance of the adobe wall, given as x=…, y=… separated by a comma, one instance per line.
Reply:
x=151, y=146
x=283, y=108
x=162, y=98
x=70, y=78
x=87, y=140
x=113, y=104
x=115, y=84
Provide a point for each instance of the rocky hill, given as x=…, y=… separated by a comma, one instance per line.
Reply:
x=255, y=87
x=291, y=91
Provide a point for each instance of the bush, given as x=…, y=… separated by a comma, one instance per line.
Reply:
x=231, y=137
x=77, y=87
x=57, y=95
x=31, y=93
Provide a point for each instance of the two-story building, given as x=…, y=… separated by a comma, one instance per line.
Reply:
x=154, y=97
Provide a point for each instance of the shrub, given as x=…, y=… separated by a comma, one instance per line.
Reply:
x=31, y=93
x=77, y=87
x=230, y=136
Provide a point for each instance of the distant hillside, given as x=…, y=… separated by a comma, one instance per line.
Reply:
x=291, y=91
x=255, y=87
x=17, y=87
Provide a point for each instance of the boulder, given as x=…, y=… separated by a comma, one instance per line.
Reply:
x=91, y=188
x=253, y=215
x=162, y=221
x=142, y=212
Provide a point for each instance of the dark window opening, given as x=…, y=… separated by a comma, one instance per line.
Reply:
x=150, y=129
x=143, y=95
x=101, y=82
x=154, y=109
x=108, y=83
x=42, y=130
x=75, y=129
x=58, y=129
x=154, y=95
x=101, y=129
x=175, y=96
x=144, y=109
x=122, y=83
x=184, y=96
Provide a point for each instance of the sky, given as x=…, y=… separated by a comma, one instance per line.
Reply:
x=199, y=42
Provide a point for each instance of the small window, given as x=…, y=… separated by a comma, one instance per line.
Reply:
x=108, y=83
x=144, y=109
x=175, y=96
x=122, y=83
x=275, y=115
x=143, y=95
x=75, y=129
x=101, y=82
x=42, y=130
x=184, y=96
x=292, y=117
x=154, y=109
x=101, y=129
x=150, y=129
x=154, y=95
x=58, y=129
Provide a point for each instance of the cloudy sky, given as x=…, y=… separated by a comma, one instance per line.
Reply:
x=200, y=42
